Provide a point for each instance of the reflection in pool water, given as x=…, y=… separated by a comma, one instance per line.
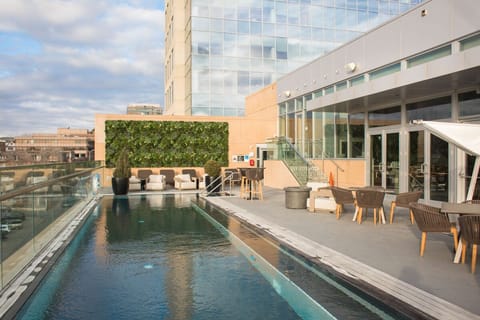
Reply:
x=157, y=257
x=174, y=265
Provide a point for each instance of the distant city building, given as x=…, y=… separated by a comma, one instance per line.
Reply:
x=144, y=109
x=66, y=145
x=218, y=52
x=7, y=145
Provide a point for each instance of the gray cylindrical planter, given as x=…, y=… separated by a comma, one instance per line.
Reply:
x=296, y=197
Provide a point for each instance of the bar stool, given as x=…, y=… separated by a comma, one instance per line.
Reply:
x=255, y=177
x=244, y=184
x=259, y=182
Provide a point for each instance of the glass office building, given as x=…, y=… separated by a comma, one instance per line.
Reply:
x=229, y=49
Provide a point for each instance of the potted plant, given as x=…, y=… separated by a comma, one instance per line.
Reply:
x=212, y=181
x=121, y=174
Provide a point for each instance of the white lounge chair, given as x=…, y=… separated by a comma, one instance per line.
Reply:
x=135, y=183
x=156, y=182
x=185, y=181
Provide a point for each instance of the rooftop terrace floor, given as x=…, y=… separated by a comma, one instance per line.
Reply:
x=385, y=255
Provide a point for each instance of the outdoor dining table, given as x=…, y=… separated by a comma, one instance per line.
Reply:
x=460, y=209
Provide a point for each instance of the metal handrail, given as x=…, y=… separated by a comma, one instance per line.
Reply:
x=78, y=164
x=297, y=154
x=331, y=160
x=337, y=166
x=27, y=189
x=229, y=177
x=211, y=182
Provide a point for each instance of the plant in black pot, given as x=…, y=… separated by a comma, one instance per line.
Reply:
x=121, y=174
x=213, y=182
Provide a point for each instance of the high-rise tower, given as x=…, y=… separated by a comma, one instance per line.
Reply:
x=219, y=51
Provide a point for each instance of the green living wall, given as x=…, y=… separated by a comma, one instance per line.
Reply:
x=166, y=143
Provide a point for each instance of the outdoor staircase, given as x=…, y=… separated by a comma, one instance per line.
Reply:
x=302, y=169
x=306, y=172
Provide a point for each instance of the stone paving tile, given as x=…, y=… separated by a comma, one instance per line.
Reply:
x=392, y=249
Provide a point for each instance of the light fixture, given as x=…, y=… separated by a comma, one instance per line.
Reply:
x=350, y=67
x=287, y=93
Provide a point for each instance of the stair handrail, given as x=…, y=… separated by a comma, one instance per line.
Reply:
x=211, y=183
x=298, y=155
x=337, y=166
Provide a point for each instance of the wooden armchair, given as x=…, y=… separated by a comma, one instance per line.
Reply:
x=431, y=219
x=403, y=200
x=470, y=228
x=342, y=197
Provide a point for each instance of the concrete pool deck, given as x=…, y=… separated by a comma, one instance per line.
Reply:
x=386, y=256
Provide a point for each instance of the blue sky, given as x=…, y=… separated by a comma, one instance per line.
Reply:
x=63, y=61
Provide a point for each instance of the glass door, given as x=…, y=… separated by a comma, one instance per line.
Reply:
x=416, y=161
x=428, y=165
x=392, y=174
x=376, y=160
x=385, y=161
x=438, y=169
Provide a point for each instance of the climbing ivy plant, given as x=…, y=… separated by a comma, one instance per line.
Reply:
x=166, y=143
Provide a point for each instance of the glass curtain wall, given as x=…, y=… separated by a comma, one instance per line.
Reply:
x=239, y=47
x=317, y=139
x=290, y=132
x=356, y=132
x=308, y=134
x=341, y=131
x=469, y=104
x=322, y=134
x=299, y=132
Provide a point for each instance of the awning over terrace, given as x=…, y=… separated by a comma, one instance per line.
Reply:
x=465, y=136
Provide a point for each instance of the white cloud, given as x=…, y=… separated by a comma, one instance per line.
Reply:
x=91, y=57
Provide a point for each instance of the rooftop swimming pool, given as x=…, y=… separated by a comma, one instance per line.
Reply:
x=175, y=257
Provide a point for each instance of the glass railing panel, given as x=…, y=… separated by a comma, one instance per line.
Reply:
x=32, y=217
x=281, y=149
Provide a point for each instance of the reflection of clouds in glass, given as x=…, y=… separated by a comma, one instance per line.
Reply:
x=264, y=40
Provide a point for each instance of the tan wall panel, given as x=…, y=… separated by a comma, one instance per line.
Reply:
x=352, y=176
x=277, y=175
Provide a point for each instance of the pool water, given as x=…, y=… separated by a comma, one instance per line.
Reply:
x=153, y=257
x=157, y=257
